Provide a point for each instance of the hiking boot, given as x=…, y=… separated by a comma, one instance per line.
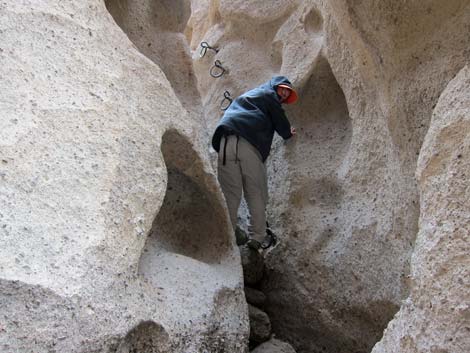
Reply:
x=269, y=240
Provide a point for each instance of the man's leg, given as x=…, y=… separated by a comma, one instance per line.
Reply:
x=255, y=188
x=230, y=177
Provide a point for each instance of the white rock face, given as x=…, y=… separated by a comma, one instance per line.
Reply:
x=94, y=149
x=435, y=318
x=344, y=198
x=114, y=236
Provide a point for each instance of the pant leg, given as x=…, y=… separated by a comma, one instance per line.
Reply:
x=255, y=187
x=230, y=177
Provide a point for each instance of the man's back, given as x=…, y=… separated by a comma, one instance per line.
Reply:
x=255, y=115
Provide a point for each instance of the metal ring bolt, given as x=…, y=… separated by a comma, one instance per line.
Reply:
x=204, y=47
x=217, y=70
x=227, y=98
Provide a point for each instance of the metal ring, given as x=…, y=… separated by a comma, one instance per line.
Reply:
x=228, y=98
x=203, y=52
x=217, y=70
x=204, y=47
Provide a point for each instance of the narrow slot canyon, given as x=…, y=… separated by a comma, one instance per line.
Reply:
x=114, y=231
x=308, y=206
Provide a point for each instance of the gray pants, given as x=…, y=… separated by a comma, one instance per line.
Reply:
x=244, y=171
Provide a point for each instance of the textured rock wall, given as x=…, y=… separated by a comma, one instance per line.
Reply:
x=95, y=147
x=114, y=237
x=156, y=29
x=435, y=318
x=344, y=197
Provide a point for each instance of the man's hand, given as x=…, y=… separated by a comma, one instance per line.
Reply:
x=293, y=131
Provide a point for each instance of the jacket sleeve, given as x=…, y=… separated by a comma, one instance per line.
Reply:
x=279, y=119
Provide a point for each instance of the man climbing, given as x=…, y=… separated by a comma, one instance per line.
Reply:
x=243, y=140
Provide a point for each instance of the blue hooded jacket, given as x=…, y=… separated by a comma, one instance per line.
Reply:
x=255, y=115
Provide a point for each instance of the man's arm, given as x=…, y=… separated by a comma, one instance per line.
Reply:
x=279, y=119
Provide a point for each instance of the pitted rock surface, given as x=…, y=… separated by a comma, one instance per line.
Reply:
x=434, y=318
x=113, y=231
x=95, y=148
x=343, y=194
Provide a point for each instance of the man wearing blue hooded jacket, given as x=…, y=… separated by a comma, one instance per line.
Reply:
x=243, y=140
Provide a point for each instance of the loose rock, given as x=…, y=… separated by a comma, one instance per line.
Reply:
x=255, y=297
x=260, y=326
x=253, y=265
x=274, y=346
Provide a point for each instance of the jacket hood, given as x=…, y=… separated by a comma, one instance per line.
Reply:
x=279, y=80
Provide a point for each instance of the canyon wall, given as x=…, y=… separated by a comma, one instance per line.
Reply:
x=343, y=194
x=114, y=236
x=435, y=316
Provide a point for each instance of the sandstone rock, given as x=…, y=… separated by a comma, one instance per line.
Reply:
x=274, y=346
x=260, y=326
x=253, y=265
x=255, y=297
x=435, y=316
x=343, y=194
x=95, y=148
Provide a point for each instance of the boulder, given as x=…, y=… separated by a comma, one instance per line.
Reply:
x=255, y=297
x=260, y=326
x=274, y=346
x=253, y=265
